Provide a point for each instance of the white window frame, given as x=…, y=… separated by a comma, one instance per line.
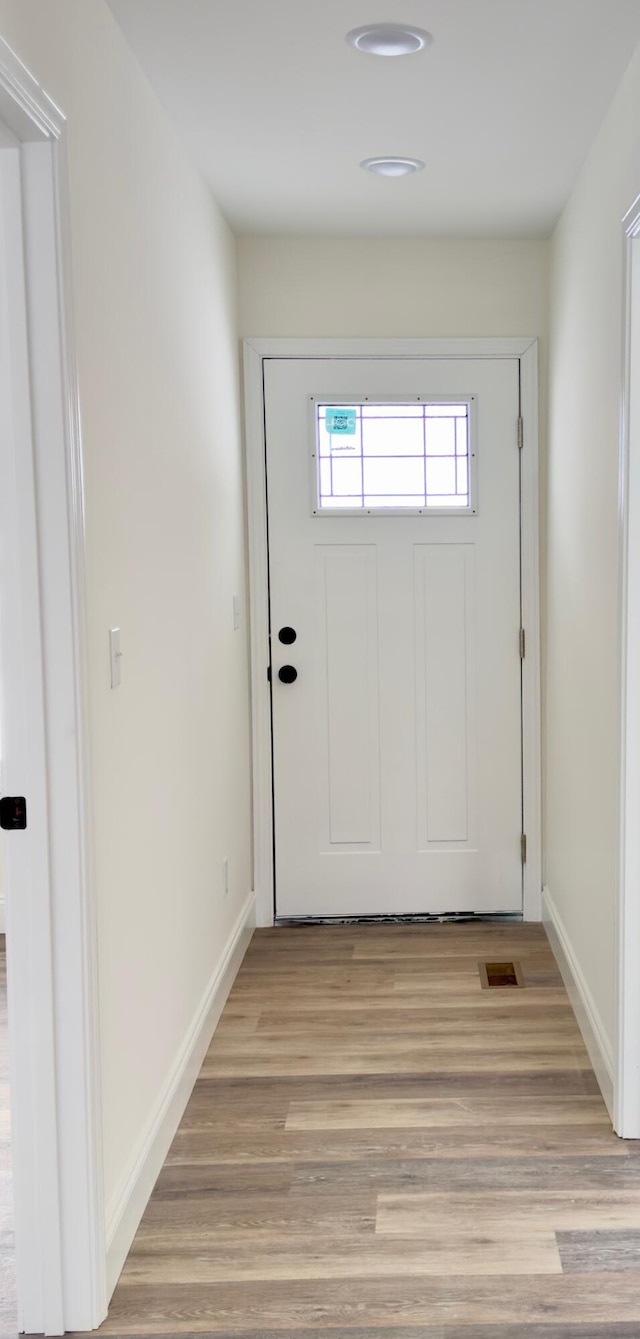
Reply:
x=50, y=912
x=256, y=352
x=472, y=462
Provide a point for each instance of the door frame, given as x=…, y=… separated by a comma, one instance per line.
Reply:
x=50, y=911
x=626, y=1077
x=256, y=352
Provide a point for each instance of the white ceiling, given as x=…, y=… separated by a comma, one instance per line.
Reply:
x=277, y=110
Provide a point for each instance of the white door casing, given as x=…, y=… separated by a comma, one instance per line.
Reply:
x=52, y=960
x=626, y=1078
x=354, y=570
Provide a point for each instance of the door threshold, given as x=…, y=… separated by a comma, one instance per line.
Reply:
x=454, y=917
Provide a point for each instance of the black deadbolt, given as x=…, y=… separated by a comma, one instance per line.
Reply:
x=13, y=812
x=287, y=636
x=288, y=674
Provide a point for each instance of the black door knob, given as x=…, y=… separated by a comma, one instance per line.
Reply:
x=287, y=636
x=288, y=674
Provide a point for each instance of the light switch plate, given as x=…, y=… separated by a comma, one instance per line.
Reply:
x=115, y=656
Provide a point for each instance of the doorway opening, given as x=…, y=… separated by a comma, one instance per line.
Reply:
x=368, y=503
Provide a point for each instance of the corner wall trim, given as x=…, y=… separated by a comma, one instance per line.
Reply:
x=130, y=1200
x=588, y=1019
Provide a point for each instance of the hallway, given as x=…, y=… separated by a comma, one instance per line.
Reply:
x=377, y=1145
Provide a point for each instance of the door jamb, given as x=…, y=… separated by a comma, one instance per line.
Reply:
x=52, y=958
x=256, y=351
x=626, y=1079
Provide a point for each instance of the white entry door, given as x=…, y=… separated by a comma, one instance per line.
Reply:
x=394, y=555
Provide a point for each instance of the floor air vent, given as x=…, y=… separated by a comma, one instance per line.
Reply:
x=497, y=975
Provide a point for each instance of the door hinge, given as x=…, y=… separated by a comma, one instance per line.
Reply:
x=522, y=644
x=523, y=848
x=520, y=433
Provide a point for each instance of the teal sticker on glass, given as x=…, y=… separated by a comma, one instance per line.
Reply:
x=341, y=422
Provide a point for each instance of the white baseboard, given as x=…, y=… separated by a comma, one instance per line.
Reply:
x=2, y=919
x=589, y=1021
x=130, y=1200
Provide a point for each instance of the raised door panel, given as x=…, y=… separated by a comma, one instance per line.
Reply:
x=444, y=577
x=348, y=700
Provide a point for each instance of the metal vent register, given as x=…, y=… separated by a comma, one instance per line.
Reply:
x=496, y=975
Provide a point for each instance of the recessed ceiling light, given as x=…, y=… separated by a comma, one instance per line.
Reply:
x=389, y=39
x=392, y=167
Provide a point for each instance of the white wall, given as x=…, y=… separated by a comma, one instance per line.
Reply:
x=154, y=272
x=326, y=286
x=582, y=641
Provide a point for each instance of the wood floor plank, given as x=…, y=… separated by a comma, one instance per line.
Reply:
x=408, y=1046
x=241, y=1020
x=255, y=1091
x=624, y=1330
x=427, y=1020
x=302, y=950
x=203, y=1218
x=449, y=1113
x=468, y=1175
x=356, y=996
x=439, y=954
x=524, y=1211
x=199, y=1147
x=352, y=1061
x=592, y=1252
x=416, y=983
x=432, y=1039
x=430, y=975
x=271, y=1257
x=234, y=1178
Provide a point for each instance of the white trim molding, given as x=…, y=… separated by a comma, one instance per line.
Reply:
x=256, y=351
x=530, y=587
x=130, y=1199
x=627, y=1052
x=51, y=930
x=582, y=1002
x=258, y=544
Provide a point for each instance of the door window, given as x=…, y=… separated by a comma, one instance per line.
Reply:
x=389, y=455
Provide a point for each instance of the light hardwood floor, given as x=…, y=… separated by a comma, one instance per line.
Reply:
x=378, y=1148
